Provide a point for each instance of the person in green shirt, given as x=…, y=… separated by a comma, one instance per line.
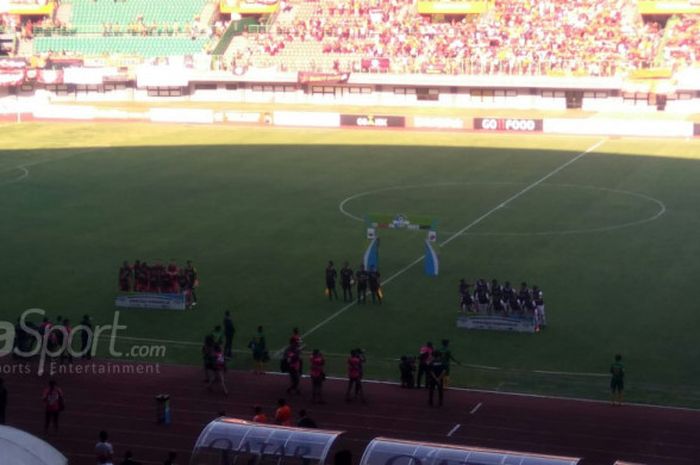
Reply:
x=617, y=380
x=446, y=355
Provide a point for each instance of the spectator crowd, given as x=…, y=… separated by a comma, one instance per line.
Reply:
x=519, y=37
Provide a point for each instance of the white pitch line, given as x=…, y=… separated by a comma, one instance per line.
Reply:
x=25, y=173
x=454, y=430
x=570, y=373
x=463, y=230
x=521, y=192
x=661, y=207
x=330, y=318
x=475, y=409
x=243, y=351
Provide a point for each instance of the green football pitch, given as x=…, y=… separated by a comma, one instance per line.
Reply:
x=610, y=237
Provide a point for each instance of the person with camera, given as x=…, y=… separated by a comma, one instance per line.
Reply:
x=407, y=368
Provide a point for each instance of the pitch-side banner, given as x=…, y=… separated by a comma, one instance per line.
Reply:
x=12, y=63
x=86, y=76
x=373, y=121
x=11, y=77
x=496, y=323
x=619, y=127
x=162, y=76
x=154, y=301
x=307, y=77
x=508, y=124
x=45, y=76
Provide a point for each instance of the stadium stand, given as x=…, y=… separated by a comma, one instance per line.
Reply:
x=143, y=27
x=90, y=16
x=145, y=46
x=682, y=41
x=520, y=37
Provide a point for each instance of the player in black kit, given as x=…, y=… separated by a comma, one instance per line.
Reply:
x=331, y=276
x=375, y=285
x=362, y=278
x=346, y=281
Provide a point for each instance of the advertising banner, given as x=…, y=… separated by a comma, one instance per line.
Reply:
x=152, y=300
x=86, y=76
x=508, y=124
x=120, y=115
x=496, y=323
x=12, y=63
x=370, y=259
x=619, y=127
x=453, y=7
x=33, y=7
x=65, y=112
x=373, y=121
x=64, y=62
x=437, y=122
x=668, y=7
x=250, y=7
x=50, y=76
x=399, y=221
x=240, y=117
x=307, y=77
x=181, y=115
x=11, y=77
x=162, y=76
x=306, y=119
x=431, y=262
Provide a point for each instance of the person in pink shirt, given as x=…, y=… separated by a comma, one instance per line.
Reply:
x=355, y=362
x=318, y=376
x=293, y=355
x=54, y=403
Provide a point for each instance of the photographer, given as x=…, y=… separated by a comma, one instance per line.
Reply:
x=407, y=367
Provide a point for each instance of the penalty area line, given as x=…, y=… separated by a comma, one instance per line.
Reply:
x=469, y=226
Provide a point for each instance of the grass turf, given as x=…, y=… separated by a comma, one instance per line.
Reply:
x=257, y=210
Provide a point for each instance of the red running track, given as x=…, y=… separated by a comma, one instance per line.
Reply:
x=124, y=405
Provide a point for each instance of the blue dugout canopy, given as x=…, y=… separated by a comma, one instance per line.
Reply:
x=229, y=441
x=385, y=451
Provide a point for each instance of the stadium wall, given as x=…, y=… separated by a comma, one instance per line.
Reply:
x=12, y=108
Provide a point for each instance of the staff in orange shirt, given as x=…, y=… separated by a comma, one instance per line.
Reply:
x=260, y=416
x=283, y=414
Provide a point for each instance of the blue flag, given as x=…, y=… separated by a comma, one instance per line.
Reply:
x=431, y=262
x=371, y=258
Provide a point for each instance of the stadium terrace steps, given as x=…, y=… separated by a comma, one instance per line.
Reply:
x=144, y=46
x=25, y=48
x=64, y=13
x=90, y=15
